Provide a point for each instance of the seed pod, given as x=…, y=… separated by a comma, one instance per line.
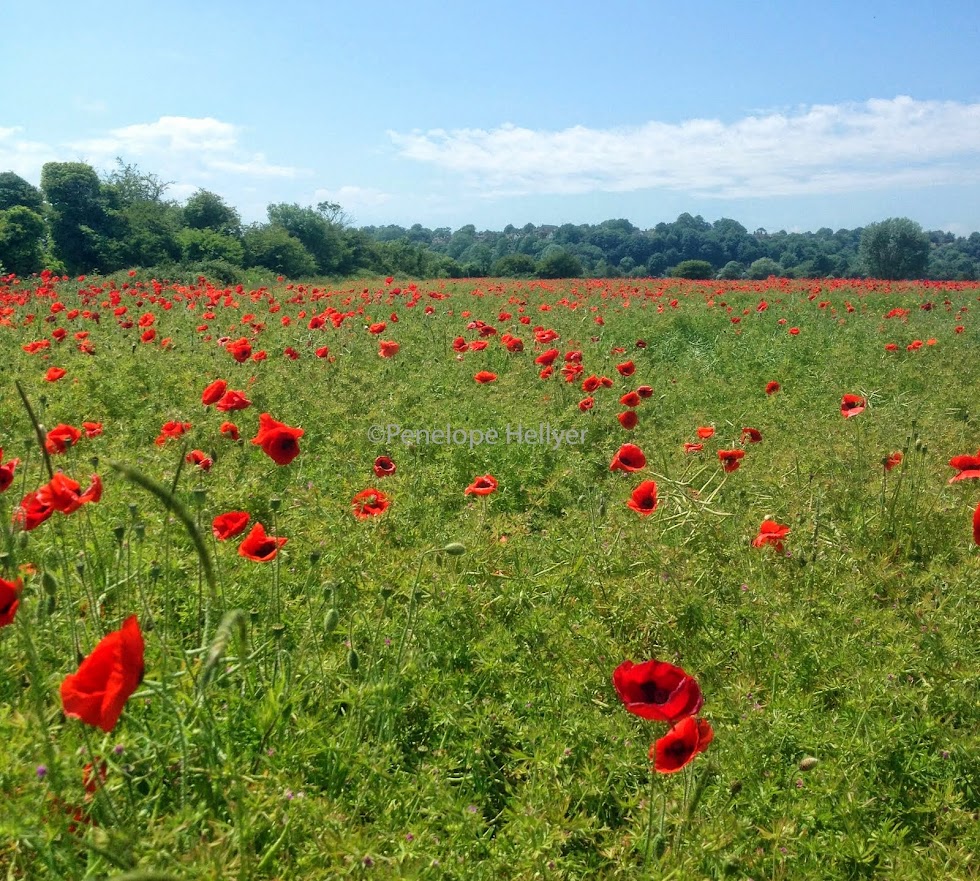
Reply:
x=807, y=763
x=353, y=661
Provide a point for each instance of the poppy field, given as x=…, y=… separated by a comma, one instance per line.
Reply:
x=476, y=579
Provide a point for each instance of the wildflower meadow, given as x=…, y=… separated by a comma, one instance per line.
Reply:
x=477, y=579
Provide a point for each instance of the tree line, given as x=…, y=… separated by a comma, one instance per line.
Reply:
x=80, y=222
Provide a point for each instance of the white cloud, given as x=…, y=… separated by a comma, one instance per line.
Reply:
x=178, y=134
x=820, y=149
x=351, y=197
x=22, y=156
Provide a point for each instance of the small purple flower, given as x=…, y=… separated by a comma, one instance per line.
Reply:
x=42, y=772
x=119, y=749
x=368, y=862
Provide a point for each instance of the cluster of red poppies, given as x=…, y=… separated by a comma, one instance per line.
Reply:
x=661, y=692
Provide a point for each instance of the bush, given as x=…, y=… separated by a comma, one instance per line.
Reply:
x=694, y=269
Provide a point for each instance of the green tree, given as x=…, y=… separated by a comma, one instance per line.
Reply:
x=732, y=270
x=763, y=268
x=894, y=248
x=80, y=224
x=514, y=266
x=207, y=210
x=698, y=269
x=320, y=230
x=558, y=263
x=14, y=190
x=274, y=248
x=208, y=244
x=21, y=240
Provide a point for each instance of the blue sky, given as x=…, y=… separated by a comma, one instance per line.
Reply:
x=783, y=115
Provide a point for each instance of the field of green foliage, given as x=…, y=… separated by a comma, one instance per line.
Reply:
x=305, y=582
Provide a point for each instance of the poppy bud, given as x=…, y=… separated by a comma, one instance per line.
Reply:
x=118, y=531
x=386, y=592
x=353, y=661
x=199, y=492
x=330, y=622
x=22, y=539
x=275, y=503
x=49, y=584
x=807, y=763
x=455, y=549
x=80, y=564
x=314, y=557
x=140, y=530
x=155, y=571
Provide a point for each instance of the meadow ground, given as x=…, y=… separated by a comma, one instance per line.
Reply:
x=418, y=683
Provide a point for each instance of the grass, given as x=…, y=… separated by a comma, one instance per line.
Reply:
x=373, y=703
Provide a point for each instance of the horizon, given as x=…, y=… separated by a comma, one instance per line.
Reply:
x=448, y=117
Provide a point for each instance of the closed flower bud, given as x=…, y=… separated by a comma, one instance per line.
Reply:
x=331, y=621
x=807, y=763
x=353, y=661
x=49, y=584
x=455, y=549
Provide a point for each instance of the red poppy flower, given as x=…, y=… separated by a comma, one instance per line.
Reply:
x=645, y=391
x=230, y=430
x=260, y=547
x=772, y=387
x=693, y=448
x=61, y=493
x=752, y=435
x=323, y=352
x=482, y=486
x=629, y=457
x=213, y=392
x=630, y=399
x=681, y=744
x=731, y=459
x=369, y=503
x=657, y=690
x=794, y=331
x=384, y=466
x=628, y=420
x=92, y=429
x=546, y=359
x=31, y=512
x=891, y=460
x=61, y=437
x=233, y=400
x=54, y=374
x=586, y=404
x=171, y=430
x=200, y=459
x=706, y=431
x=590, y=384
x=627, y=368
x=770, y=533
x=7, y=473
x=644, y=499
x=240, y=350
x=279, y=441
x=388, y=349
x=97, y=693
x=851, y=405
x=976, y=525
x=967, y=466
x=9, y=600
x=229, y=524
x=378, y=327
x=485, y=376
